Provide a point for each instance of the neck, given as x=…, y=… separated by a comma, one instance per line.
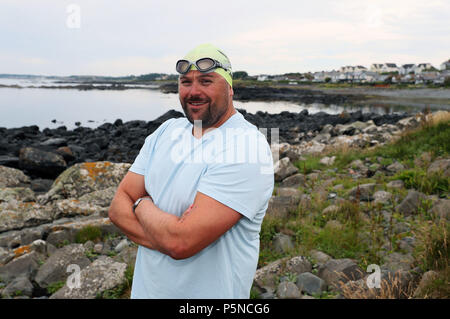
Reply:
x=199, y=131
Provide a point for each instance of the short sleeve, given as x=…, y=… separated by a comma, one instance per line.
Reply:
x=141, y=161
x=245, y=187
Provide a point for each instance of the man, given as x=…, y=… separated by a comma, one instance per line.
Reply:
x=195, y=197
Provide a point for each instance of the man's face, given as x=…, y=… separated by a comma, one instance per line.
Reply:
x=205, y=97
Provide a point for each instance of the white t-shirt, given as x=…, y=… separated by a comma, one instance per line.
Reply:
x=232, y=164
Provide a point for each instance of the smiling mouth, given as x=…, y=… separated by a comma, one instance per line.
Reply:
x=197, y=104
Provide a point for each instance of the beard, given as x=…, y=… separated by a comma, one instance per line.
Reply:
x=209, y=114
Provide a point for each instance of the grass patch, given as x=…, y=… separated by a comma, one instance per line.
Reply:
x=54, y=287
x=419, y=179
x=87, y=233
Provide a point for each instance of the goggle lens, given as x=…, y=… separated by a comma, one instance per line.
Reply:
x=183, y=66
x=205, y=64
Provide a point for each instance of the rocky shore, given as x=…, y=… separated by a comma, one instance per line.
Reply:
x=45, y=154
x=56, y=187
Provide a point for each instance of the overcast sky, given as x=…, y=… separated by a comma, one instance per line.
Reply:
x=123, y=37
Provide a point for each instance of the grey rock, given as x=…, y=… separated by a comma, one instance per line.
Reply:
x=401, y=227
x=288, y=290
x=397, y=261
x=441, y=166
x=298, y=265
x=328, y=161
x=5, y=256
x=39, y=246
x=289, y=192
x=441, y=209
x=395, y=167
x=382, y=197
x=42, y=163
x=284, y=168
x=338, y=271
x=127, y=255
x=55, y=141
x=396, y=184
x=319, y=257
x=12, y=177
x=23, y=266
x=310, y=284
x=23, y=194
x=20, y=286
x=89, y=245
x=98, y=248
x=295, y=180
x=18, y=215
x=407, y=244
x=281, y=206
x=85, y=178
x=55, y=268
x=426, y=280
x=412, y=202
x=60, y=237
x=266, y=277
x=364, y=192
x=100, y=198
x=103, y=274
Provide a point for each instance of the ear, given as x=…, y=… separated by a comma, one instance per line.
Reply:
x=231, y=91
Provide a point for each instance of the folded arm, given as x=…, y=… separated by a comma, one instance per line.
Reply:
x=179, y=237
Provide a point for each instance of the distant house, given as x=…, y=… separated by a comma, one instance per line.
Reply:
x=421, y=67
x=389, y=67
x=445, y=65
x=429, y=77
x=406, y=69
x=376, y=67
x=349, y=69
x=263, y=77
x=369, y=77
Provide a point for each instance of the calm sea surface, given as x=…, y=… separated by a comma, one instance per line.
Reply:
x=36, y=106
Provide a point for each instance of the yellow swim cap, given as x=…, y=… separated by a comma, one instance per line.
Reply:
x=210, y=51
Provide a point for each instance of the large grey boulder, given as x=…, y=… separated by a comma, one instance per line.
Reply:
x=12, y=177
x=288, y=290
x=22, y=194
x=310, y=284
x=335, y=272
x=284, y=168
x=84, y=178
x=23, y=266
x=103, y=274
x=55, y=268
x=298, y=265
x=17, y=215
x=42, y=163
x=20, y=286
x=412, y=202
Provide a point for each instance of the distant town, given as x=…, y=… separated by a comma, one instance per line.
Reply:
x=422, y=73
x=378, y=73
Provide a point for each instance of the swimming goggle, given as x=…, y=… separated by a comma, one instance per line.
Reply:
x=204, y=65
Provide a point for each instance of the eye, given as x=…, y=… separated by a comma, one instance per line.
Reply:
x=206, y=81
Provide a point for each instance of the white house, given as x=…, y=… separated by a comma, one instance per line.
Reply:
x=422, y=67
x=406, y=69
x=376, y=67
x=263, y=77
x=445, y=65
x=389, y=67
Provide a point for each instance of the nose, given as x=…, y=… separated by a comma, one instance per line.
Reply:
x=195, y=89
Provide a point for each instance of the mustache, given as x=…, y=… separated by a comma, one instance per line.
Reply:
x=195, y=100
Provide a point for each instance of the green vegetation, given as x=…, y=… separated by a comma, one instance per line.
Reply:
x=54, y=287
x=122, y=291
x=92, y=233
x=365, y=231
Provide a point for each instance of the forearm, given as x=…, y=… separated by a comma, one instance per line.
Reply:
x=161, y=228
x=121, y=214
